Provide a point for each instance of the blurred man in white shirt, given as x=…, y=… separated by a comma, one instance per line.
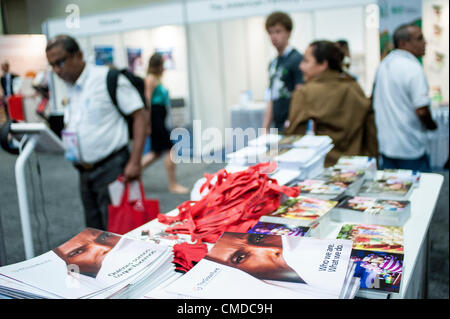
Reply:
x=401, y=103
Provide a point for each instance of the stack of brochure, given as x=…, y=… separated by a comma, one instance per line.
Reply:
x=93, y=264
x=366, y=163
x=292, y=141
x=300, y=211
x=371, y=210
x=378, y=253
x=351, y=177
x=260, y=266
x=304, y=154
x=390, y=185
x=401, y=174
x=265, y=140
x=247, y=156
x=322, y=189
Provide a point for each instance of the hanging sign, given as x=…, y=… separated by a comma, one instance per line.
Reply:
x=116, y=21
x=214, y=10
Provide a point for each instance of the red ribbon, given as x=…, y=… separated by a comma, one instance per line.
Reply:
x=235, y=202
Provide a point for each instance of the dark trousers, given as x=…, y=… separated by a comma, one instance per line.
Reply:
x=421, y=164
x=94, y=188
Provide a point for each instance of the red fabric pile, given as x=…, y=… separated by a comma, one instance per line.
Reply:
x=185, y=255
x=234, y=203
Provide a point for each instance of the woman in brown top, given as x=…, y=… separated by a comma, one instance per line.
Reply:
x=334, y=102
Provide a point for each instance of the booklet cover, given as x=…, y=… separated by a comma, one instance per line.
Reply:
x=387, y=188
x=400, y=174
x=322, y=189
x=279, y=229
x=90, y=263
x=378, y=255
x=302, y=211
x=343, y=175
x=366, y=163
x=268, y=266
x=351, y=177
x=378, y=270
x=374, y=237
x=370, y=210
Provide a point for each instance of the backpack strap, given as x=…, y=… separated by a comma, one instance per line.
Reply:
x=111, y=83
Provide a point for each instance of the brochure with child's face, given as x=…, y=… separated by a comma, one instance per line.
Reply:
x=268, y=266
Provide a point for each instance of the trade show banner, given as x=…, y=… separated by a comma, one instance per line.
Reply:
x=436, y=32
x=215, y=10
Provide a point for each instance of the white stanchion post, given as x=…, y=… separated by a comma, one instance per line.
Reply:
x=23, y=195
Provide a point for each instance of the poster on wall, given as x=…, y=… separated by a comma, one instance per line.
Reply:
x=167, y=55
x=134, y=57
x=436, y=57
x=104, y=55
x=394, y=13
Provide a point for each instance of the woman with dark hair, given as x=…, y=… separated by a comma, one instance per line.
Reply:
x=334, y=102
x=158, y=96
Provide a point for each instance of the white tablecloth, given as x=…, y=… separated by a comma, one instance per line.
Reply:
x=438, y=144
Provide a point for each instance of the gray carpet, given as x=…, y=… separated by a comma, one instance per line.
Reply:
x=56, y=212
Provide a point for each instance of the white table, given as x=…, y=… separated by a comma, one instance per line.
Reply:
x=415, y=231
x=415, y=237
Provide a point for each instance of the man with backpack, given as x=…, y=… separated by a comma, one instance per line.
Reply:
x=96, y=132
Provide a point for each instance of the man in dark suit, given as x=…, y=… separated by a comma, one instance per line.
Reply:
x=7, y=84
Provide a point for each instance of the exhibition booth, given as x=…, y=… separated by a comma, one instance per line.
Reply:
x=218, y=52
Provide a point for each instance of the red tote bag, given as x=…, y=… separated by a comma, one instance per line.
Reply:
x=129, y=215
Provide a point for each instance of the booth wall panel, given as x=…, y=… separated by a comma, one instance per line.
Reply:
x=303, y=33
x=139, y=39
x=346, y=23
x=258, y=53
x=172, y=37
x=235, y=66
x=206, y=75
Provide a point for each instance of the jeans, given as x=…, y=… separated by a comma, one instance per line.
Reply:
x=421, y=164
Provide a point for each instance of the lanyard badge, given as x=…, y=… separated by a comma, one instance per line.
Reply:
x=71, y=145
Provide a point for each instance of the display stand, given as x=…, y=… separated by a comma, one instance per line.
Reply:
x=35, y=137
